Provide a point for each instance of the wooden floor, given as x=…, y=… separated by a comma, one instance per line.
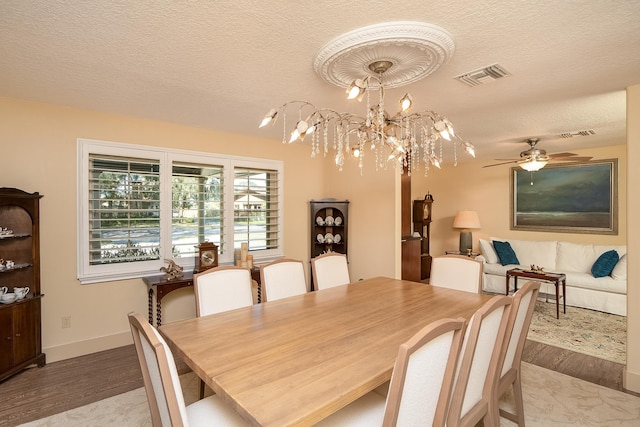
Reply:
x=40, y=392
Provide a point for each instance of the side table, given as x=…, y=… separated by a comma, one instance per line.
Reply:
x=160, y=286
x=558, y=279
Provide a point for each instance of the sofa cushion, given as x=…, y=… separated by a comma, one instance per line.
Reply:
x=620, y=270
x=505, y=253
x=605, y=263
x=541, y=253
x=587, y=281
x=581, y=257
x=489, y=254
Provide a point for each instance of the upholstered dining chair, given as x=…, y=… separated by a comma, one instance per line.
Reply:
x=524, y=301
x=477, y=376
x=421, y=383
x=330, y=270
x=162, y=384
x=456, y=272
x=282, y=278
x=222, y=289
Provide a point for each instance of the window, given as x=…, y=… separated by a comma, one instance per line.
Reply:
x=139, y=206
x=256, y=208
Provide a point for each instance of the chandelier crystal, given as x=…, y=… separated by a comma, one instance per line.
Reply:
x=408, y=51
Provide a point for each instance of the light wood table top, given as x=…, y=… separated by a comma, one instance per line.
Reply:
x=297, y=360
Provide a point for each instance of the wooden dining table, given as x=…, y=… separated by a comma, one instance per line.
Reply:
x=297, y=360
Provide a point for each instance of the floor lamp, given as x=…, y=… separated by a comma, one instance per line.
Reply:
x=466, y=220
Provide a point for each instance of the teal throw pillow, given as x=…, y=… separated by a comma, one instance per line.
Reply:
x=605, y=263
x=505, y=253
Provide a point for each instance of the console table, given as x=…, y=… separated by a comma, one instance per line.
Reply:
x=161, y=287
x=558, y=279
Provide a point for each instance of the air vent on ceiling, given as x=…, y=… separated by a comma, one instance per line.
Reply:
x=587, y=132
x=483, y=75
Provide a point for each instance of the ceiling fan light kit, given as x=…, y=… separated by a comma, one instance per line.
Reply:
x=534, y=159
x=370, y=59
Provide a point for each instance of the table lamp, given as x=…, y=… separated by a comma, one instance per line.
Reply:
x=466, y=220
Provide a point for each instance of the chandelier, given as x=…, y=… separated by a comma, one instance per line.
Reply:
x=368, y=60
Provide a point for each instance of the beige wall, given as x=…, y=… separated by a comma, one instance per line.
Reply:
x=39, y=154
x=372, y=211
x=469, y=186
x=632, y=370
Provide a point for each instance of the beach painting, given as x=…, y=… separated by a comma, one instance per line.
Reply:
x=575, y=198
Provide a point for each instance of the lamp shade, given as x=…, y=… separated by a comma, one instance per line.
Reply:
x=466, y=219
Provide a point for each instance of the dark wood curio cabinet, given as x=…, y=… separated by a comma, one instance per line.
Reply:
x=20, y=320
x=329, y=228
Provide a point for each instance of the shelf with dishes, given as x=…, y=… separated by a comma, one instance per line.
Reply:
x=328, y=238
x=329, y=221
x=11, y=235
x=19, y=266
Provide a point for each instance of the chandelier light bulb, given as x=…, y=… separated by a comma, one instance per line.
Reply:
x=469, y=148
x=356, y=89
x=406, y=102
x=269, y=117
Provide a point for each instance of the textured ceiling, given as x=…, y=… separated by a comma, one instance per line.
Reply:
x=223, y=64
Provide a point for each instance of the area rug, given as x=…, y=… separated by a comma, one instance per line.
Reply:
x=584, y=331
x=551, y=400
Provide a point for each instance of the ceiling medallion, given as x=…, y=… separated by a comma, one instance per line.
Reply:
x=415, y=50
x=372, y=59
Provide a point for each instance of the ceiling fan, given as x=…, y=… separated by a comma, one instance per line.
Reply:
x=535, y=159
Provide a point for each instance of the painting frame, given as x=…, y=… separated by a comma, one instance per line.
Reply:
x=566, y=198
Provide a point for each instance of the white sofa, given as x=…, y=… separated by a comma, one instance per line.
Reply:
x=607, y=294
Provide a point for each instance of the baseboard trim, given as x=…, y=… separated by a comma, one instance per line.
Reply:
x=82, y=348
x=631, y=381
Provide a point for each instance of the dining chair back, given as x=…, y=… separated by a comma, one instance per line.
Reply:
x=162, y=384
x=422, y=379
x=222, y=289
x=524, y=301
x=330, y=270
x=456, y=272
x=477, y=376
x=282, y=278
x=421, y=383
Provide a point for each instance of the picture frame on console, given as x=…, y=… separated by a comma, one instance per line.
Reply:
x=570, y=198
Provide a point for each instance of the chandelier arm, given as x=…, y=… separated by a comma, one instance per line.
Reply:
x=404, y=139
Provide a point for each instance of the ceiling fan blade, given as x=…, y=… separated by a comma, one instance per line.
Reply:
x=572, y=159
x=503, y=163
x=562, y=154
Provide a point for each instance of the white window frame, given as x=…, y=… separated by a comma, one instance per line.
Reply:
x=87, y=273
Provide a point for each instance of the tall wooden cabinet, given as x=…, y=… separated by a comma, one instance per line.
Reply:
x=20, y=321
x=422, y=225
x=329, y=225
